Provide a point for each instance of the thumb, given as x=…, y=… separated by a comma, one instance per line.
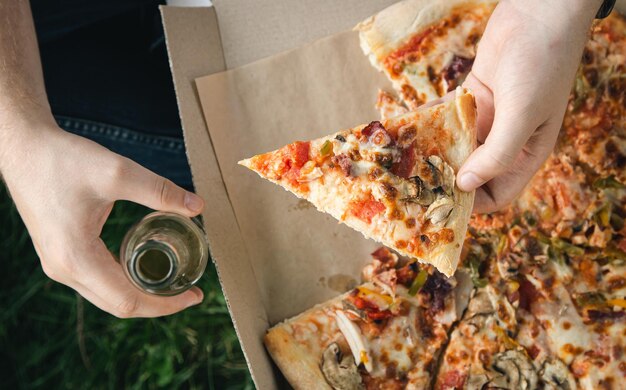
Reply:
x=140, y=185
x=509, y=133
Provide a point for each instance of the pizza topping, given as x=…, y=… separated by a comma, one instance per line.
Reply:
x=327, y=148
x=436, y=289
x=442, y=174
x=555, y=374
x=366, y=209
x=340, y=371
x=355, y=340
x=414, y=190
x=343, y=162
x=605, y=315
x=387, y=281
x=608, y=182
x=380, y=137
x=372, y=128
x=456, y=71
x=452, y=380
x=517, y=371
x=439, y=211
x=385, y=256
x=368, y=299
x=407, y=273
x=418, y=282
x=389, y=106
x=309, y=172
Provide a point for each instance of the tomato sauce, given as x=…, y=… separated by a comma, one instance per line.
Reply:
x=367, y=209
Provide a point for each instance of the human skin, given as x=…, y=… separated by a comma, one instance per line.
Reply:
x=64, y=186
x=522, y=76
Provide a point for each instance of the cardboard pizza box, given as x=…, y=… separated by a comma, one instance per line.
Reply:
x=251, y=77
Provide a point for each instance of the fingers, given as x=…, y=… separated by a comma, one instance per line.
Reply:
x=135, y=183
x=104, y=284
x=512, y=127
x=503, y=189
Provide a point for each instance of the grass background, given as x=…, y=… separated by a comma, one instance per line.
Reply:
x=50, y=337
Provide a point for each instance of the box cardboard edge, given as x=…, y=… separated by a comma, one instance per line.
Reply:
x=194, y=49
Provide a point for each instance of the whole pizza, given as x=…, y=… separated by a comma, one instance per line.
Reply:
x=538, y=297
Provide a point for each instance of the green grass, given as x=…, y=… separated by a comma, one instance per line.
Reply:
x=50, y=337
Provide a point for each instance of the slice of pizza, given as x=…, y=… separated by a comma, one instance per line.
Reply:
x=425, y=47
x=482, y=353
x=394, y=180
x=596, y=116
x=389, y=106
x=386, y=333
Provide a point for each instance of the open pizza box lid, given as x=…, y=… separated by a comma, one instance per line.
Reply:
x=276, y=256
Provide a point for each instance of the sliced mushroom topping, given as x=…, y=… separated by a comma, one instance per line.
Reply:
x=448, y=179
x=555, y=375
x=480, y=308
x=355, y=340
x=435, y=163
x=340, y=371
x=443, y=174
x=439, y=211
x=517, y=371
x=476, y=382
x=414, y=190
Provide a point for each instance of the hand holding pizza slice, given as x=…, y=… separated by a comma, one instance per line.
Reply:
x=394, y=181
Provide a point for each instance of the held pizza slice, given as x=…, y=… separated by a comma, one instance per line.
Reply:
x=425, y=47
x=393, y=181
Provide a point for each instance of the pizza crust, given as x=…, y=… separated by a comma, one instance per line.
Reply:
x=300, y=368
x=301, y=365
x=447, y=258
x=384, y=32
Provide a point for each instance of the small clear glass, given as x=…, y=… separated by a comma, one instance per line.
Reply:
x=164, y=253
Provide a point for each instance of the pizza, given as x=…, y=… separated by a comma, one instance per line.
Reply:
x=595, y=126
x=386, y=333
x=392, y=180
x=425, y=47
x=389, y=106
x=539, y=296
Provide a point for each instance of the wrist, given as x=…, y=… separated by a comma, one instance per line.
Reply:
x=587, y=8
x=559, y=11
x=20, y=131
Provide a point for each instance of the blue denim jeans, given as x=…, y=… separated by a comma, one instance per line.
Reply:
x=108, y=79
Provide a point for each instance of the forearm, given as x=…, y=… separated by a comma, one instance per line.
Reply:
x=23, y=101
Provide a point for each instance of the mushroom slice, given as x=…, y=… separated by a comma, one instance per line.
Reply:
x=340, y=371
x=435, y=163
x=476, y=381
x=443, y=174
x=555, y=375
x=414, y=190
x=449, y=178
x=353, y=336
x=517, y=371
x=439, y=211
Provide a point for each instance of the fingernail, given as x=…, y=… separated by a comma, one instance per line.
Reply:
x=193, y=202
x=470, y=181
